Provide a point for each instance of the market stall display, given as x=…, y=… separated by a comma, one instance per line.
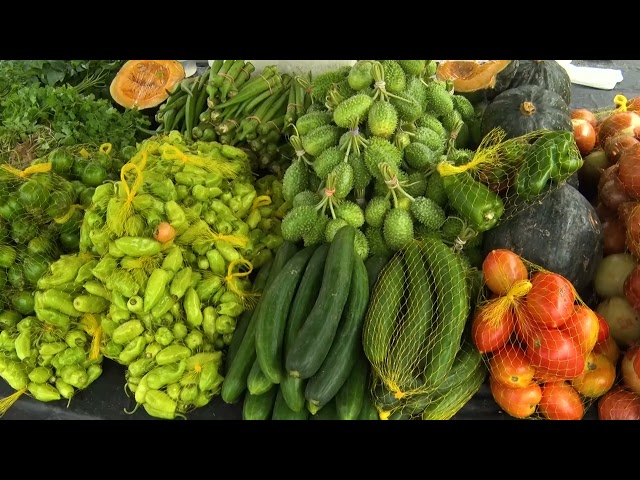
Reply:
x=353, y=243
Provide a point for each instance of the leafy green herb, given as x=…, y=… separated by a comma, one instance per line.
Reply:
x=47, y=117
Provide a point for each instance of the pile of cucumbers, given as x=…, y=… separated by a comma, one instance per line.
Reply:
x=414, y=333
x=299, y=354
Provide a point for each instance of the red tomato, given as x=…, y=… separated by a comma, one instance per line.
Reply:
x=523, y=325
x=609, y=348
x=517, y=402
x=582, y=326
x=619, y=404
x=598, y=377
x=511, y=367
x=550, y=300
x=490, y=333
x=502, y=269
x=560, y=401
x=630, y=368
x=165, y=232
x=553, y=352
x=603, y=328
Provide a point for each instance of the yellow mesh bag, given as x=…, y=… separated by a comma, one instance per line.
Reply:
x=538, y=340
x=175, y=242
x=414, y=334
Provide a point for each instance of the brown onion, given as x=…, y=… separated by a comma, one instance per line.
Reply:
x=584, y=135
x=619, y=404
x=614, y=234
x=616, y=145
x=610, y=190
x=585, y=114
x=605, y=213
x=629, y=171
x=617, y=123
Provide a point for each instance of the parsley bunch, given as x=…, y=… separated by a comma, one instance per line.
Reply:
x=64, y=116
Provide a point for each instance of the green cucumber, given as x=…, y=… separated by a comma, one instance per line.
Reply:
x=293, y=392
x=346, y=346
x=306, y=294
x=272, y=316
x=409, y=344
x=467, y=362
x=369, y=410
x=259, y=407
x=235, y=382
x=314, y=339
x=452, y=309
x=293, y=388
x=375, y=264
x=350, y=397
x=257, y=381
x=281, y=410
x=445, y=406
x=245, y=318
x=380, y=321
x=328, y=412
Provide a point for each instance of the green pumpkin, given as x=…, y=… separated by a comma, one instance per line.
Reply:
x=544, y=73
x=522, y=110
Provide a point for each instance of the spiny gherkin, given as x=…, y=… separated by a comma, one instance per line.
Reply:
x=413, y=67
x=351, y=213
x=439, y=100
x=430, y=138
x=380, y=150
x=420, y=157
x=397, y=229
x=451, y=228
x=464, y=107
x=394, y=77
x=333, y=225
x=319, y=139
x=295, y=180
x=297, y=222
x=315, y=235
x=312, y=120
x=327, y=161
x=360, y=76
x=344, y=180
x=427, y=212
x=352, y=111
x=416, y=184
x=430, y=121
x=306, y=197
x=361, y=175
x=418, y=91
x=382, y=119
x=376, y=210
x=435, y=189
x=361, y=245
x=409, y=109
x=321, y=84
x=375, y=239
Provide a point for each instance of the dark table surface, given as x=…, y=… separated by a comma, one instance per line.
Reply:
x=106, y=398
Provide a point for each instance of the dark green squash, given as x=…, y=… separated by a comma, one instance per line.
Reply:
x=478, y=81
x=526, y=109
x=560, y=232
x=543, y=73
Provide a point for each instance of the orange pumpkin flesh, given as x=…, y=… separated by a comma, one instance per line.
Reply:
x=143, y=84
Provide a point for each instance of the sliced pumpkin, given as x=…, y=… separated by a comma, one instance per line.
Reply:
x=475, y=80
x=143, y=84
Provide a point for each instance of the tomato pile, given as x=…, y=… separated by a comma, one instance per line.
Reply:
x=546, y=350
